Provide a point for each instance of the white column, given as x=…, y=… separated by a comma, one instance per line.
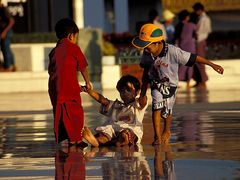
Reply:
x=121, y=16
x=78, y=13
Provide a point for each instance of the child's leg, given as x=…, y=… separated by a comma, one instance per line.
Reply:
x=156, y=118
x=87, y=134
x=158, y=103
x=122, y=139
x=105, y=134
x=167, y=116
x=102, y=139
x=126, y=137
x=166, y=131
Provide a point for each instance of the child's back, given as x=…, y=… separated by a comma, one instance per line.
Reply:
x=64, y=90
x=65, y=59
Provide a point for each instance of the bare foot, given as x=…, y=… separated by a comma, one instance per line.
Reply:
x=166, y=136
x=156, y=142
x=87, y=134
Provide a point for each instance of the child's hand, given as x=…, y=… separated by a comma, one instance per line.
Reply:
x=86, y=88
x=83, y=88
x=89, y=86
x=218, y=68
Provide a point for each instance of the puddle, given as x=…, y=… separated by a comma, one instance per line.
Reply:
x=204, y=145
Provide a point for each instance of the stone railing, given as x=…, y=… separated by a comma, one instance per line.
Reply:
x=32, y=56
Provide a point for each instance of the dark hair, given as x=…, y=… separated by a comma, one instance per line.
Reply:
x=193, y=18
x=183, y=14
x=152, y=15
x=198, y=6
x=178, y=31
x=128, y=78
x=64, y=27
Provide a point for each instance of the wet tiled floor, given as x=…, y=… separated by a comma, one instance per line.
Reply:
x=204, y=143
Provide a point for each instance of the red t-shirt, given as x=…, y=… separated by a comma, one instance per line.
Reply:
x=65, y=60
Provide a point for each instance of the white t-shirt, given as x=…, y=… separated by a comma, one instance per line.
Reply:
x=164, y=68
x=122, y=116
x=203, y=27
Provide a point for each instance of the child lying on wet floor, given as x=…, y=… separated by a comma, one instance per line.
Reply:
x=124, y=124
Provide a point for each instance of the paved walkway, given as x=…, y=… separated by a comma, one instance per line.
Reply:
x=205, y=136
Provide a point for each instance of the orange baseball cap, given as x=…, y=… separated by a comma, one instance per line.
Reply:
x=149, y=34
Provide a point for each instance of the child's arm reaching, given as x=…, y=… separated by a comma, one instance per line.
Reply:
x=143, y=97
x=145, y=82
x=97, y=96
x=143, y=101
x=216, y=67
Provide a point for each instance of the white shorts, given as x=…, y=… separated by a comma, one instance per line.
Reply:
x=159, y=103
x=108, y=130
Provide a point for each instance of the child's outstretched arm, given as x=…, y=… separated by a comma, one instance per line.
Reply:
x=144, y=87
x=216, y=67
x=98, y=97
x=145, y=81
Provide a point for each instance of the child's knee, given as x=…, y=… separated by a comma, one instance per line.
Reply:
x=102, y=139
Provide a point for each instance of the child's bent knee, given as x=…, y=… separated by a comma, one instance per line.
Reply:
x=102, y=139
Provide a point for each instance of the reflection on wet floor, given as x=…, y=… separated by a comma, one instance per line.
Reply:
x=204, y=143
x=103, y=162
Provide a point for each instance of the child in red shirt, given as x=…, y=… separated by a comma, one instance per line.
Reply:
x=63, y=86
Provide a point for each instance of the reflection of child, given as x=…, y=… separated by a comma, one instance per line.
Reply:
x=127, y=162
x=160, y=61
x=70, y=163
x=124, y=124
x=164, y=168
x=64, y=91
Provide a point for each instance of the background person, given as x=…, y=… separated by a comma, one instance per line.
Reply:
x=187, y=42
x=6, y=24
x=168, y=17
x=153, y=17
x=203, y=31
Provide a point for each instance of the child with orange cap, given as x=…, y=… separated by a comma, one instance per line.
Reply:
x=160, y=61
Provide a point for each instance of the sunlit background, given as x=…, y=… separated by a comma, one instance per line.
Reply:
x=205, y=139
